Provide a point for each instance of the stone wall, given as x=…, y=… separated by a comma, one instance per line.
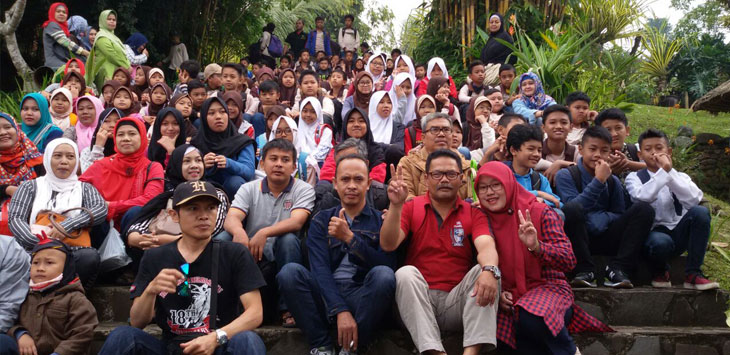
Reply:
x=707, y=161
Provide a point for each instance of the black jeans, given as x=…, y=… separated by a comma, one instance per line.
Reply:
x=534, y=337
x=623, y=239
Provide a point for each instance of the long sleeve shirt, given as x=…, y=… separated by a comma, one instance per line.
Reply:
x=178, y=54
x=242, y=166
x=57, y=47
x=521, y=108
x=21, y=205
x=658, y=192
x=138, y=59
x=89, y=155
x=467, y=92
x=348, y=39
x=14, y=275
x=602, y=205
x=326, y=253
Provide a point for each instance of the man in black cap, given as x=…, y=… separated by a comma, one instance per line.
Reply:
x=174, y=285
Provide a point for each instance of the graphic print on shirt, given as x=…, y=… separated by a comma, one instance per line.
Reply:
x=194, y=318
x=288, y=204
x=457, y=235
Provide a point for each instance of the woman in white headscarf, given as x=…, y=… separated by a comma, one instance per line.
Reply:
x=403, y=88
x=437, y=68
x=376, y=67
x=59, y=191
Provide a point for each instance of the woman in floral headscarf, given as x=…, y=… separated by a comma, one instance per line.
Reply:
x=533, y=99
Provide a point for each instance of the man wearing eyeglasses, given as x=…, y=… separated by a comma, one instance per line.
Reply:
x=440, y=288
x=176, y=283
x=437, y=134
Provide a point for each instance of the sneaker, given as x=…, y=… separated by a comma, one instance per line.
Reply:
x=345, y=352
x=322, y=351
x=584, y=279
x=577, y=351
x=699, y=282
x=617, y=279
x=661, y=281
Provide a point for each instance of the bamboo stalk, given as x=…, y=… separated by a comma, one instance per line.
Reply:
x=463, y=34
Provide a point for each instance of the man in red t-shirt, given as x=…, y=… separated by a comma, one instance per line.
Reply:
x=440, y=288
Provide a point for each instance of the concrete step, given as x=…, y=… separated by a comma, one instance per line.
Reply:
x=625, y=341
x=646, y=306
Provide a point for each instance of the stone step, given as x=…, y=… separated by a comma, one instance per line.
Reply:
x=625, y=341
x=646, y=306
x=643, y=306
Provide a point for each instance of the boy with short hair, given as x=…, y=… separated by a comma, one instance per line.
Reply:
x=268, y=97
x=348, y=37
x=556, y=152
x=579, y=104
x=420, y=71
x=624, y=157
x=304, y=62
x=680, y=222
x=319, y=38
x=475, y=83
x=189, y=70
x=507, y=74
x=198, y=94
x=498, y=149
x=323, y=69
x=524, y=143
x=597, y=219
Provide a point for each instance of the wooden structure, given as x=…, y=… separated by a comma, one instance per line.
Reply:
x=717, y=100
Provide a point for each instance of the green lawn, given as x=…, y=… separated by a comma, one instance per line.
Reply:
x=717, y=267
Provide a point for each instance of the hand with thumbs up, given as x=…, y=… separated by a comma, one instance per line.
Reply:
x=339, y=228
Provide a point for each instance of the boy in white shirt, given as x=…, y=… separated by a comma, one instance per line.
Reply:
x=680, y=223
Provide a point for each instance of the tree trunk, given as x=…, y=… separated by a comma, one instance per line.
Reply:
x=637, y=43
x=7, y=30
x=16, y=57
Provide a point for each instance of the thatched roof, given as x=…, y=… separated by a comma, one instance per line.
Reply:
x=717, y=100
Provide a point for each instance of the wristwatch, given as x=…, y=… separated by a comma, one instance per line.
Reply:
x=221, y=336
x=494, y=270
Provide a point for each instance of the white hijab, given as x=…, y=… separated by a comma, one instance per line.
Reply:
x=409, y=62
x=367, y=66
x=410, y=112
x=441, y=64
x=62, y=119
x=306, y=142
x=292, y=125
x=382, y=127
x=69, y=192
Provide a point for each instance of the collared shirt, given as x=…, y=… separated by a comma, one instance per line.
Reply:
x=443, y=254
x=526, y=182
x=658, y=192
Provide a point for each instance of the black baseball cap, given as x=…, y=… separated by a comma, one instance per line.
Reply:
x=190, y=190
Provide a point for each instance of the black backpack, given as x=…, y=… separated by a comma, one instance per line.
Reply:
x=575, y=174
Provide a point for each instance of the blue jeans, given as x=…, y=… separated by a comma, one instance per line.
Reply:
x=8, y=345
x=126, y=340
x=534, y=337
x=258, y=121
x=368, y=302
x=230, y=183
x=691, y=234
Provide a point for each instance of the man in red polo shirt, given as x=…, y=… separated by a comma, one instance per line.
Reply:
x=440, y=288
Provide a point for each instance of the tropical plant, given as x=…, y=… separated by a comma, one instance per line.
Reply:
x=555, y=61
x=659, y=52
x=701, y=65
x=285, y=13
x=606, y=20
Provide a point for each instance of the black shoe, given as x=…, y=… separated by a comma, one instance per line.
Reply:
x=584, y=279
x=617, y=279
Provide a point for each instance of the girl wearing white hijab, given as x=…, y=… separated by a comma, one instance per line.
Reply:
x=315, y=138
x=60, y=190
x=441, y=64
x=438, y=64
x=378, y=72
x=407, y=101
x=408, y=61
x=385, y=127
x=61, y=113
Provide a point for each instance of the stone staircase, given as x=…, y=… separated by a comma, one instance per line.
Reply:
x=647, y=321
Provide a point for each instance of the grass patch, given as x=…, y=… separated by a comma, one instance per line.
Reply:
x=642, y=117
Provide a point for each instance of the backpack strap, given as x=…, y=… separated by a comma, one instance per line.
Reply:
x=644, y=177
x=535, y=180
x=569, y=152
x=147, y=175
x=214, y=283
x=577, y=180
x=633, y=152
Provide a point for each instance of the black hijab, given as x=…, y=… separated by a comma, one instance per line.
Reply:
x=376, y=154
x=156, y=152
x=493, y=51
x=109, y=145
x=228, y=143
x=69, y=268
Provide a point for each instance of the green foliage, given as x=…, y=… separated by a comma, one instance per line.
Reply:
x=437, y=42
x=701, y=65
x=606, y=20
x=555, y=61
x=711, y=17
x=10, y=102
x=381, y=17
x=285, y=13
x=660, y=50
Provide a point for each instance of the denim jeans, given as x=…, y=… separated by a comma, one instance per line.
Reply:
x=691, y=234
x=258, y=121
x=126, y=340
x=534, y=337
x=368, y=302
x=8, y=345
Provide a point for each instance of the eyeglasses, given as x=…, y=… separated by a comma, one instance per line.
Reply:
x=496, y=187
x=183, y=289
x=364, y=83
x=376, y=64
x=435, y=130
x=284, y=131
x=438, y=175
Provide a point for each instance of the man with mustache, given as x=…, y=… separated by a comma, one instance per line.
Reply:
x=437, y=134
x=440, y=288
x=350, y=278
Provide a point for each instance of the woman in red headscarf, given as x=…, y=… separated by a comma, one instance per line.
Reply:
x=57, y=39
x=537, y=309
x=127, y=178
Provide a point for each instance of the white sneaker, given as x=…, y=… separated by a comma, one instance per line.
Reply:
x=577, y=351
x=322, y=351
x=345, y=352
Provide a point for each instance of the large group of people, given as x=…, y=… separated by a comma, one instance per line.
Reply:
x=318, y=187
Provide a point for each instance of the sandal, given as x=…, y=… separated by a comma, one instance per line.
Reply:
x=288, y=321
